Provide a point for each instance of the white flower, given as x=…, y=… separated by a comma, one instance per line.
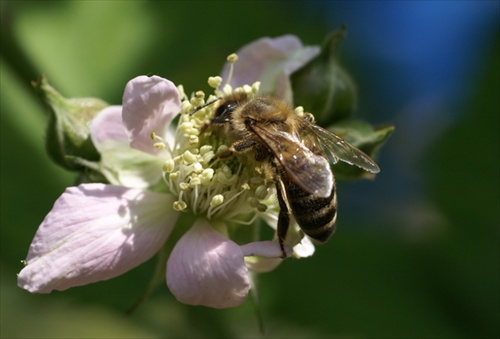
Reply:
x=155, y=172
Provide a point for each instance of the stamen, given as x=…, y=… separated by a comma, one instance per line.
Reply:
x=241, y=222
x=189, y=157
x=193, y=139
x=184, y=186
x=174, y=175
x=261, y=192
x=214, y=82
x=179, y=205
x=160, y=144
x=229, y=200
x=217, y=200
x=231, y=58
x=206, y=176
x=195, y=199
x=168, y=165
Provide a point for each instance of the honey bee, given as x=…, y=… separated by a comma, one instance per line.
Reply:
x=298, y=152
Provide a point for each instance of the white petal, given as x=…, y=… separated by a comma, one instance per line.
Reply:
x=95, y=232
x=271, y=61
x=206, y=268
x=149, y=105
x=305, y=248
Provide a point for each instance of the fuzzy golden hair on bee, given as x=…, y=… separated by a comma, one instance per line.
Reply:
x=297, y=152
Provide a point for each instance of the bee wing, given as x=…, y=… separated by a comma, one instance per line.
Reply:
x=308, y=170
x=337, y=149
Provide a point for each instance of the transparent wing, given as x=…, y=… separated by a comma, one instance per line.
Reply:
x=308, y=170
x=336, y=149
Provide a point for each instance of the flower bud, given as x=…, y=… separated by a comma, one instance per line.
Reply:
x=323, y=87
x=68, y=133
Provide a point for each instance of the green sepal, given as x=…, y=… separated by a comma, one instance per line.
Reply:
x=68, y=132
x=364, y=136
x=323, y=87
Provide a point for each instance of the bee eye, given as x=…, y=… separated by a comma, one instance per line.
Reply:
x=225, y=109
x=223, y=112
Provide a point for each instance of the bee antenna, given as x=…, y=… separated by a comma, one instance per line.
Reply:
x=196, y=109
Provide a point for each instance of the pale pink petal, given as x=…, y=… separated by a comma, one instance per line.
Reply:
x=265, y=249
x=263, y=256
x=120, y=164
x=95, y=232
x=268, y=258
x=262, y=265
x=108, y=126
x=149, y=105
x=270, y=61
x=206, y=268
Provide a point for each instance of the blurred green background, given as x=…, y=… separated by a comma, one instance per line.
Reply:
x=417, y=250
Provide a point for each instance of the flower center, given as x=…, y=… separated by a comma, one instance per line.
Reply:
x=215, y=188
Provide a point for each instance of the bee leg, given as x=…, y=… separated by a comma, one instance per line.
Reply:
x=284, y=215
x=237, y=147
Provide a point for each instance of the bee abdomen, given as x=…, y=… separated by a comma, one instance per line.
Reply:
x=315, y=216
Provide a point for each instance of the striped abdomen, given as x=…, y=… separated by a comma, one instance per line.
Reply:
x=316, y=216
